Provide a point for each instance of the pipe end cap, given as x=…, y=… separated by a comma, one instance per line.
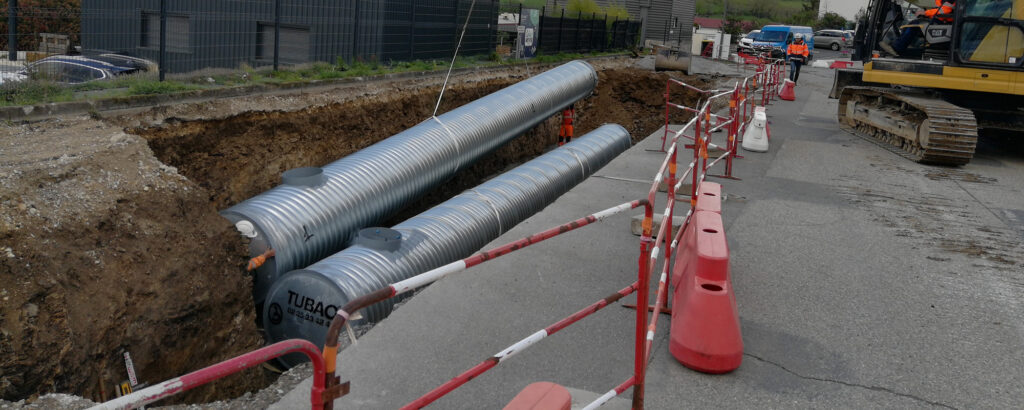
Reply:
x=246, y=228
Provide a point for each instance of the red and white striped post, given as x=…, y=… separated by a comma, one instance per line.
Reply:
x=330, y=351
x=226, y=368
x=698, y=139
x=765, y=85
x=668, y=85
x=514, y=349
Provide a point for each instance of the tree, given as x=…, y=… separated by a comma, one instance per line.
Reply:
x=583, y=7
x=831, y=20
x=808, y=16
x=763, y=8
x=803, y=18
x=43, y=16
x=733, y=26
x=861, y=14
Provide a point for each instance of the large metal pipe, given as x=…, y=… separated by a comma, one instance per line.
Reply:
x=309, y=220
x=302, y=303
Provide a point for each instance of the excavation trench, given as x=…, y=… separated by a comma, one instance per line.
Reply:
x=241, y=156
x=186, y=303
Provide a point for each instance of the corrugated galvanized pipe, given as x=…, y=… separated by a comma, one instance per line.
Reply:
x=317, y=211
x=302, y=303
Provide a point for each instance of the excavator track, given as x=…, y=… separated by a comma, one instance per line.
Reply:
x=917, y=126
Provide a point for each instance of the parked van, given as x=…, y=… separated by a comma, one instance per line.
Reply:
x=777, y=38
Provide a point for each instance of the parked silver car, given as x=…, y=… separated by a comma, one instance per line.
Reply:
x=834, y=39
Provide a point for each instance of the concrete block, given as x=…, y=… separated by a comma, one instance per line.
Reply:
x=637, y=228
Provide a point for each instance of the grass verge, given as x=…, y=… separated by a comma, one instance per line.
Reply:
x=40, y=92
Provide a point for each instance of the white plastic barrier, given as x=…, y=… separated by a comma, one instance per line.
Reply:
x=756, y=137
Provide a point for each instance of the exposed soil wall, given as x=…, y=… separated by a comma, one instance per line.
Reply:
x=106, y=250
x=238, y=157
x=111, y=242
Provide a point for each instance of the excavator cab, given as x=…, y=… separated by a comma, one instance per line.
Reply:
x=980, y=30
x=932, y=36
x=933, y=41
x=963, y=73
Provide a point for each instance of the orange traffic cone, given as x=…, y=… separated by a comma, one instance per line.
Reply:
x=788, y=91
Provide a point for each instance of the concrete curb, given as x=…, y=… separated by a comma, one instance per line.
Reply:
x=39, y=112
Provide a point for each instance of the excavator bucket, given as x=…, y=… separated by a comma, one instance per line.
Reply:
x=846, y=78
x=671, y=59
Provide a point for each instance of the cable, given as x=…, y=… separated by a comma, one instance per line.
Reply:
x=445, y=85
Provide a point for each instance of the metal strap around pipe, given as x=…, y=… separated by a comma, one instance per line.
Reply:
x=304, y=224
x=446, y=233
x=455, y=142
x=497, y=215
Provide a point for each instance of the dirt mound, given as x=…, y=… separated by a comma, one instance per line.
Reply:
x=635, y=99
x=237, y=157
x=106, y=250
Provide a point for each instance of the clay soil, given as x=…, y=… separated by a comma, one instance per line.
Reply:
x=110, y=240
x=252, y=150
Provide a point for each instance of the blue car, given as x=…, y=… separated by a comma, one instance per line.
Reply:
x=776, y=39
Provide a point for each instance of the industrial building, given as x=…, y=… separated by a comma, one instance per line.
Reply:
x=222, y=33
x=227, y=34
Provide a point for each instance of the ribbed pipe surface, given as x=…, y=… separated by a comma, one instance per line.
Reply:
x=304, y=224
x=302, y=303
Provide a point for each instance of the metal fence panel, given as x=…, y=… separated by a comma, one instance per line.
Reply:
x=585, y=33
x=204, y=34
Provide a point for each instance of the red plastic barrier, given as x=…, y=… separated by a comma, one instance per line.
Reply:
x=541, y=396
x=749, y=59
x=841, y=64
x=709, y=198
x=705, y=332
x=788, y=92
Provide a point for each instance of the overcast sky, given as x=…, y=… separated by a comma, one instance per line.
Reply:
x=845, y=8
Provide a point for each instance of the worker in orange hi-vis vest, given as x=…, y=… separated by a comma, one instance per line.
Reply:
x=565, y=133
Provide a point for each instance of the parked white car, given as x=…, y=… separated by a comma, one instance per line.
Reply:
x=11, y=77
x=747, y=42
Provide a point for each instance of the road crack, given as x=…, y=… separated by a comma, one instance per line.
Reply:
x=848, y=384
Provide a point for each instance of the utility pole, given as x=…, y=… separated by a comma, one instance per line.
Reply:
x=277, y=35
x=645, y=7
x=163, y=39
x=725, y=13
x=12, y=30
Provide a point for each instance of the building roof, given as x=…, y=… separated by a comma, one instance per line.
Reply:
x=705, y=22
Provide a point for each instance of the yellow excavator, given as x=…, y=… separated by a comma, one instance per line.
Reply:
x=962, y=72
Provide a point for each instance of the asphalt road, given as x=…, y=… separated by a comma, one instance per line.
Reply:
x=863, y=281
